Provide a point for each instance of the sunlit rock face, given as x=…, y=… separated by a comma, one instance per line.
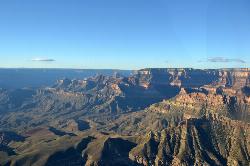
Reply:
x=210, y=141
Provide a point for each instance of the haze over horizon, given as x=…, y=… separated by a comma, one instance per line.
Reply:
x=124, y=34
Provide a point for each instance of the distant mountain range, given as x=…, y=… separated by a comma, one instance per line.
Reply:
x=153, y=117
x=21, y=77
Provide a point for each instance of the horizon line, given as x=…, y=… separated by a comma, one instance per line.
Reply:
x=62, y=68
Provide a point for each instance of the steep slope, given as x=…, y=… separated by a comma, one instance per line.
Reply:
x=208, y=140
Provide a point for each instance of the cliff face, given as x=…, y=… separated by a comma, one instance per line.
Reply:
x=187, y=77
x=208, y=141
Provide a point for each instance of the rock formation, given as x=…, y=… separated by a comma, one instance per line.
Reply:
x=153, y=117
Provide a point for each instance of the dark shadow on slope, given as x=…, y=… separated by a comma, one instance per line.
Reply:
x=71, y=156
x=246, y=90
x=10, y=151
x=8, y=136
x=195, y=90
x=83, y=125
x=116, y=152
x=59, y=132
x=5, y=138
x=138, y=98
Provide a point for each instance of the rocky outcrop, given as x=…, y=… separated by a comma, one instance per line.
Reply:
x=196, y=104
x=188, y=77
x=206, y=141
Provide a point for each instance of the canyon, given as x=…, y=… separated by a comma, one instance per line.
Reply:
x=155, y=116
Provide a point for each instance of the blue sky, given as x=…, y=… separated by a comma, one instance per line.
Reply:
x=124, y=34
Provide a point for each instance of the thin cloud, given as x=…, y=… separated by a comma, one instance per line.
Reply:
x=223, y=60
x=43, y=60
